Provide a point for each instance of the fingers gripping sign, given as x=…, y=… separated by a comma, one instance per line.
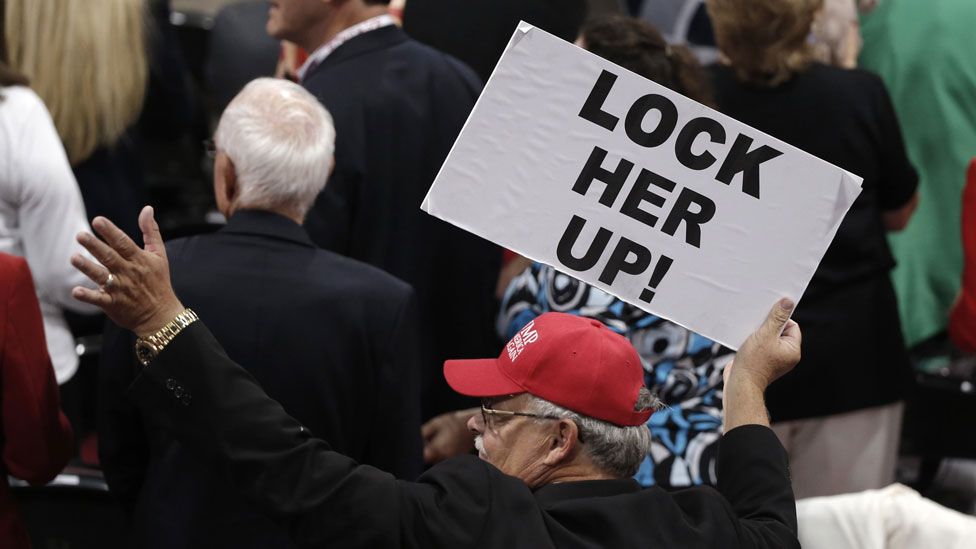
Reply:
x=770, y=352
x=774, y=348
x=135, y=287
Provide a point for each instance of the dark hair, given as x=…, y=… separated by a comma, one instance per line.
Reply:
x=636, y=45
x=376, y=2
x=8, y=76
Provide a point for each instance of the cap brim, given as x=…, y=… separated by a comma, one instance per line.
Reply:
x=479, y=378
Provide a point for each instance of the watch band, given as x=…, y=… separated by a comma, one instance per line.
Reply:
x=147, y=348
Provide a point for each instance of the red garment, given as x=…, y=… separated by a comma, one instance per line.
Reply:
x=36, y=438
x=962, y=319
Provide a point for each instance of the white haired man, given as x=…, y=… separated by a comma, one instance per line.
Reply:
x=327, y=336
x=561, y=431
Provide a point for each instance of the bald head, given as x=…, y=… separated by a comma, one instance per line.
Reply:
x=275, y=145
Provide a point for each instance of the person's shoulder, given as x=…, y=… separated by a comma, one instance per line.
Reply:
x=188, y=256
x=11, y=265
x=441, y=62
x=861, y=92
x=357, y=277
x=23, y=108
x=15, y=278
x=176, y=248
x=847, y=80
x=13, y=270
x=472, y=474
x=21, y=98
x=719, y=71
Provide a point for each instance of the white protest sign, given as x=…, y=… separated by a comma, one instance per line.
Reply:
x=667, y=204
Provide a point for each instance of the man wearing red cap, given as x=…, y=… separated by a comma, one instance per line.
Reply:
x=560, y=433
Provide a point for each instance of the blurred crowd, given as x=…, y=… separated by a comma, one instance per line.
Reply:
x=286, y=147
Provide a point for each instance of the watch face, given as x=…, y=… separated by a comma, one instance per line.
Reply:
x=145, y=351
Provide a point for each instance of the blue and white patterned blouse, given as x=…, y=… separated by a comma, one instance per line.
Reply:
x=683, y=368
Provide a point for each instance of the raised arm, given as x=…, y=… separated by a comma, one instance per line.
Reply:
x=216, y=409
x=753, y=467
x=771, y=351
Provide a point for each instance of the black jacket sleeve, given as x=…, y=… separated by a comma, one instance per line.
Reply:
x=322, y=498
x=754, y=477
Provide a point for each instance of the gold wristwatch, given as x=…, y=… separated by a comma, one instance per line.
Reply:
x=147, y=348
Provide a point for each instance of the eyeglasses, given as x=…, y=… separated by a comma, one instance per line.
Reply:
x=487, y=412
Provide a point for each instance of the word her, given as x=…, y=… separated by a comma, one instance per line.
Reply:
x=692, y=208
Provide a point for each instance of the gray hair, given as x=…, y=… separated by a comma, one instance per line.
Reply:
x=616, y=450
x=281, y=141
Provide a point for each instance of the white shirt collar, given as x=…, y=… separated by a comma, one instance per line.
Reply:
x=347, y=34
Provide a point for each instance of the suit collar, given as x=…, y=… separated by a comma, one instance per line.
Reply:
x=269, y=224
x=383, y=37
x=552, y=494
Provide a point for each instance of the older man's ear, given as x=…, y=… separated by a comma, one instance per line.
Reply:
x=564, y=445
x=226, y=188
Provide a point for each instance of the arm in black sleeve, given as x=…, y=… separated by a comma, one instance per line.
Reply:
x=216, y=409
x=899, y=180
x=396, y=420
x=754, y=476
x=123, y=447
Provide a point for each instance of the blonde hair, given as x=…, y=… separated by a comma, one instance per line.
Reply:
x=765, y=40
x=86, y=60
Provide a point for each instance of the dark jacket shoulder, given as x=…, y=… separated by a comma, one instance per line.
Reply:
x=325, y=268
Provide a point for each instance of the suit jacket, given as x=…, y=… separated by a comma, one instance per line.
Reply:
x=398, y=106
x=477, y=31
x=36, y=441
x=332, y=339
x=326, y=499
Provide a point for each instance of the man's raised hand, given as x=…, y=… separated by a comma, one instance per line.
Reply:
x=135, y=290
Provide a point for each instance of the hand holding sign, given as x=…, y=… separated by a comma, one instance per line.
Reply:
x=573, y=161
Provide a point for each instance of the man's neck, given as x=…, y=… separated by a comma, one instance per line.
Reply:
x=284, y=212
x=350, y=14
x=571, y=473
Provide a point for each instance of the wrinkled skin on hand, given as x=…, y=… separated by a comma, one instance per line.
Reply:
x=140, y=297
x=771, y=351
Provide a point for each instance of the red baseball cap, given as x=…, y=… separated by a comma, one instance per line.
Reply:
x=575, y=362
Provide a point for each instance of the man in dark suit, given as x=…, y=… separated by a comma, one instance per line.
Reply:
x=477, y=31
x=398, y=107
x=555, y=462
x=331, y=338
